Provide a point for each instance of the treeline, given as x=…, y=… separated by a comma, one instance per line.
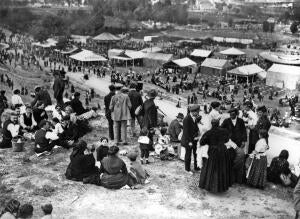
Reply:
x=142, y=10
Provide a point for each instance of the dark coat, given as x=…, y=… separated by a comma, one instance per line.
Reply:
x=81, y=166
x=174, y=130
x=150, y=114
x=39, y=115
x=70, y=133
x=42, y=96
x=190, y=131
x=107, y=100
x=77, y=106
x=237, y=133
x=58, y=87
x=136, y=100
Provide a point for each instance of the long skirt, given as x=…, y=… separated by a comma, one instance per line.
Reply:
x=257, y=174
x=216, y=174
x=238, y=166
x=116, y=181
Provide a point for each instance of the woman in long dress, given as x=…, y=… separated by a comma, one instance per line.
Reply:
x=257, y=171
x=114, y=174
x=216, y=171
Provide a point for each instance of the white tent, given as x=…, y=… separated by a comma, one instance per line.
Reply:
x=232, y=52
x=215, y=63
x=184, y=62
x=49, y=43
x=283, y=76
x=88, y=56
x=152, y=49
x=246, y=70
x=215, y=67
x=201, y=53
x=130, y=54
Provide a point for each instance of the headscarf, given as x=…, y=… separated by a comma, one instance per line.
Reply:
x=79, y=148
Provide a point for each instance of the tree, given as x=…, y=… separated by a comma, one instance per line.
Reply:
x=62, y=42
x=294, y=27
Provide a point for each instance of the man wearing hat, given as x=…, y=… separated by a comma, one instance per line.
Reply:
x=136, y=101
x=238, y=134
x=58, y=88
x=190, y=137
x=150, y=115
x=120, y=106
x=70, y=134
x=107, y=100
x=76, y=104
x=176, y=127
x=10, y=129
x=41, y=95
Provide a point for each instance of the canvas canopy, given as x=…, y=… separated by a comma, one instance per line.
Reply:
x=215, y=63
x=88, y=56
x=106, y=37
x=49, y=43
x=151, y=49
x=247, y=70
x=232, y=52
x=181, y=63
x=286, y=76
x=125, y=54
x=201, y=53
x=281, y=58
x=159, y=56
x=70, y=51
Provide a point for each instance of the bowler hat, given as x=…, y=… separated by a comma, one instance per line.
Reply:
x=180, y=116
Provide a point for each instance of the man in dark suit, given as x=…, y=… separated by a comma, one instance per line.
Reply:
x=107, y=100
x=70, y=134
x=238, y=134
x=190, y=136
x=136, y=100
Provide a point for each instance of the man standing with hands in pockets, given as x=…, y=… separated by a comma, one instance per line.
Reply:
x=190, y=136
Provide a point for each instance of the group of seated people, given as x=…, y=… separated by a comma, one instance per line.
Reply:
x=47, y=125
x=101, y=165
x=13, y=209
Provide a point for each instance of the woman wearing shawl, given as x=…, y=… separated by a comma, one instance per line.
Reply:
x=114, y=174
x=82, y=165
x=216, y=172
x=257, y=171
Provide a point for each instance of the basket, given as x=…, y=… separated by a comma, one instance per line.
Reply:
x=17, y=146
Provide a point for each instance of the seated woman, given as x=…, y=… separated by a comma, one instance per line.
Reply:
x=279, y=171
x=114, y=174
x=82, y=164
x=27, y=121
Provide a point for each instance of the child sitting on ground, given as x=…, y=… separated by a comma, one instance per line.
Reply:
x=58, y=129
x=145, y=144
x=138, y=174
x=47, y=209
x=102, y=148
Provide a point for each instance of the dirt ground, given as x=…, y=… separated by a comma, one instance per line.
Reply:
x=171, y=194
